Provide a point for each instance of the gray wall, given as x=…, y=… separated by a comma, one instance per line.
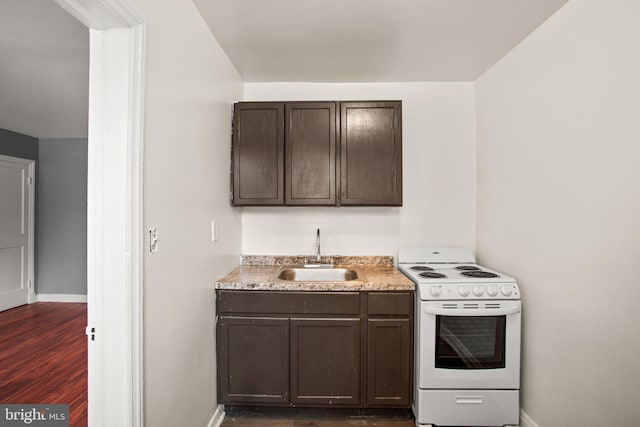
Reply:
x=62, y=216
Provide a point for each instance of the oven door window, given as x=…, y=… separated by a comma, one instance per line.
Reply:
x=470, y=342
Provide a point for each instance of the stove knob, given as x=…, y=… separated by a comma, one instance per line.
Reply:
x=478, y=290
x=506, y=290
x=463, y=291
x=435, y=290
x=492, y=290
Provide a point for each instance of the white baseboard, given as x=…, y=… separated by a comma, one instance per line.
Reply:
x=61, y=298
x=526, y=420
x=217, y=417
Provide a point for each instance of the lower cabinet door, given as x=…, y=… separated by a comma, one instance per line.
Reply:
x=325, y=362
x=390, y=361
x=253, y=360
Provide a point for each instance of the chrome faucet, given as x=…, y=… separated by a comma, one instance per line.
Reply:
x=318, y=261
x=318, y=257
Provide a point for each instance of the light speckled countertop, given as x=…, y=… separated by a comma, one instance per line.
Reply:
x=257, y=273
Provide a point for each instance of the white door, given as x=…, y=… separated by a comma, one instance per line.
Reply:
x=16, y=232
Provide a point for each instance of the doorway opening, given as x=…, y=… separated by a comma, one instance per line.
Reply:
x=114, y=213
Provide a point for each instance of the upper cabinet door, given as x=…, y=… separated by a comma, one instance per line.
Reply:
x=371, y=153
x=310, y=152
x=258, y=153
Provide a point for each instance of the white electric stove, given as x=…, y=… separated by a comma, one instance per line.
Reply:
x=467, y=339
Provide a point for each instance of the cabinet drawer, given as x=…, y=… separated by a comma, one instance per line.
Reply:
x=277, y=302
x=390, y=303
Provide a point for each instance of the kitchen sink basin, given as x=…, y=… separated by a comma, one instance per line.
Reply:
x=317, y=274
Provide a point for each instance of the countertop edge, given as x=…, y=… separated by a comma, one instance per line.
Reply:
x=258, y=278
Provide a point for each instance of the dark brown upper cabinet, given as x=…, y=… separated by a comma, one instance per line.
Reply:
x=371, y=153
x=310, y=152
x=258, y=154
x=317, y=153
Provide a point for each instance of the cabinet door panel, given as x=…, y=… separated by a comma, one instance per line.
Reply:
x=253, y=360
x=258, y=154
x=325, y=361
x=390, y=360
x=371, y=153
x=310, y=143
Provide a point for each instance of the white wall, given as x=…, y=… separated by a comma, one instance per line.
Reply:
x=190, y=88
x=559, y=208
x=439, y=167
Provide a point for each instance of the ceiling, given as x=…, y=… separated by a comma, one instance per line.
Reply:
x=44, y=70
x=370, y=40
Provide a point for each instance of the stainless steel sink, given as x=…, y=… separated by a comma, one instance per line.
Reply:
x=290, y=273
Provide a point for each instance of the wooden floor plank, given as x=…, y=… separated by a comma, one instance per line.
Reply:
x=43, y=356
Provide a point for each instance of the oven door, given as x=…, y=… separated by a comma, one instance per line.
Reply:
x=469, y=344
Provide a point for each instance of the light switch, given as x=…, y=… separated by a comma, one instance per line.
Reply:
x=214, y=231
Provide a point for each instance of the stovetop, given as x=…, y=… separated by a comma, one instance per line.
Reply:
x=452, y=274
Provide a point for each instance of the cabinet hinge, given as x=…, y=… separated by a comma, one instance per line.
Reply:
x=29, y=180
x=232, y=111
x=91, y=332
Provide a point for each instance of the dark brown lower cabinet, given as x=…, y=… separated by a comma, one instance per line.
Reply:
x=325, y=361
x=253, y=354
x=315, y=349
x=390, y=354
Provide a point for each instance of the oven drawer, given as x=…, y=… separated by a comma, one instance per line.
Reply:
x=468, y=407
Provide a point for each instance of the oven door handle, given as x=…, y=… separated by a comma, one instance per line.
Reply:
x=506, y=311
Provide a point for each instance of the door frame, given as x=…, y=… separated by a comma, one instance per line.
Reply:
x=114, y=210
x=31, y=168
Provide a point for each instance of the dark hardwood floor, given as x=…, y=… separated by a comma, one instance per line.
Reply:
x=43, y=356
x=256, y=421
x=310, y=417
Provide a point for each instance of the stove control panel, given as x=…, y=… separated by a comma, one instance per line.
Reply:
x=480, y=291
